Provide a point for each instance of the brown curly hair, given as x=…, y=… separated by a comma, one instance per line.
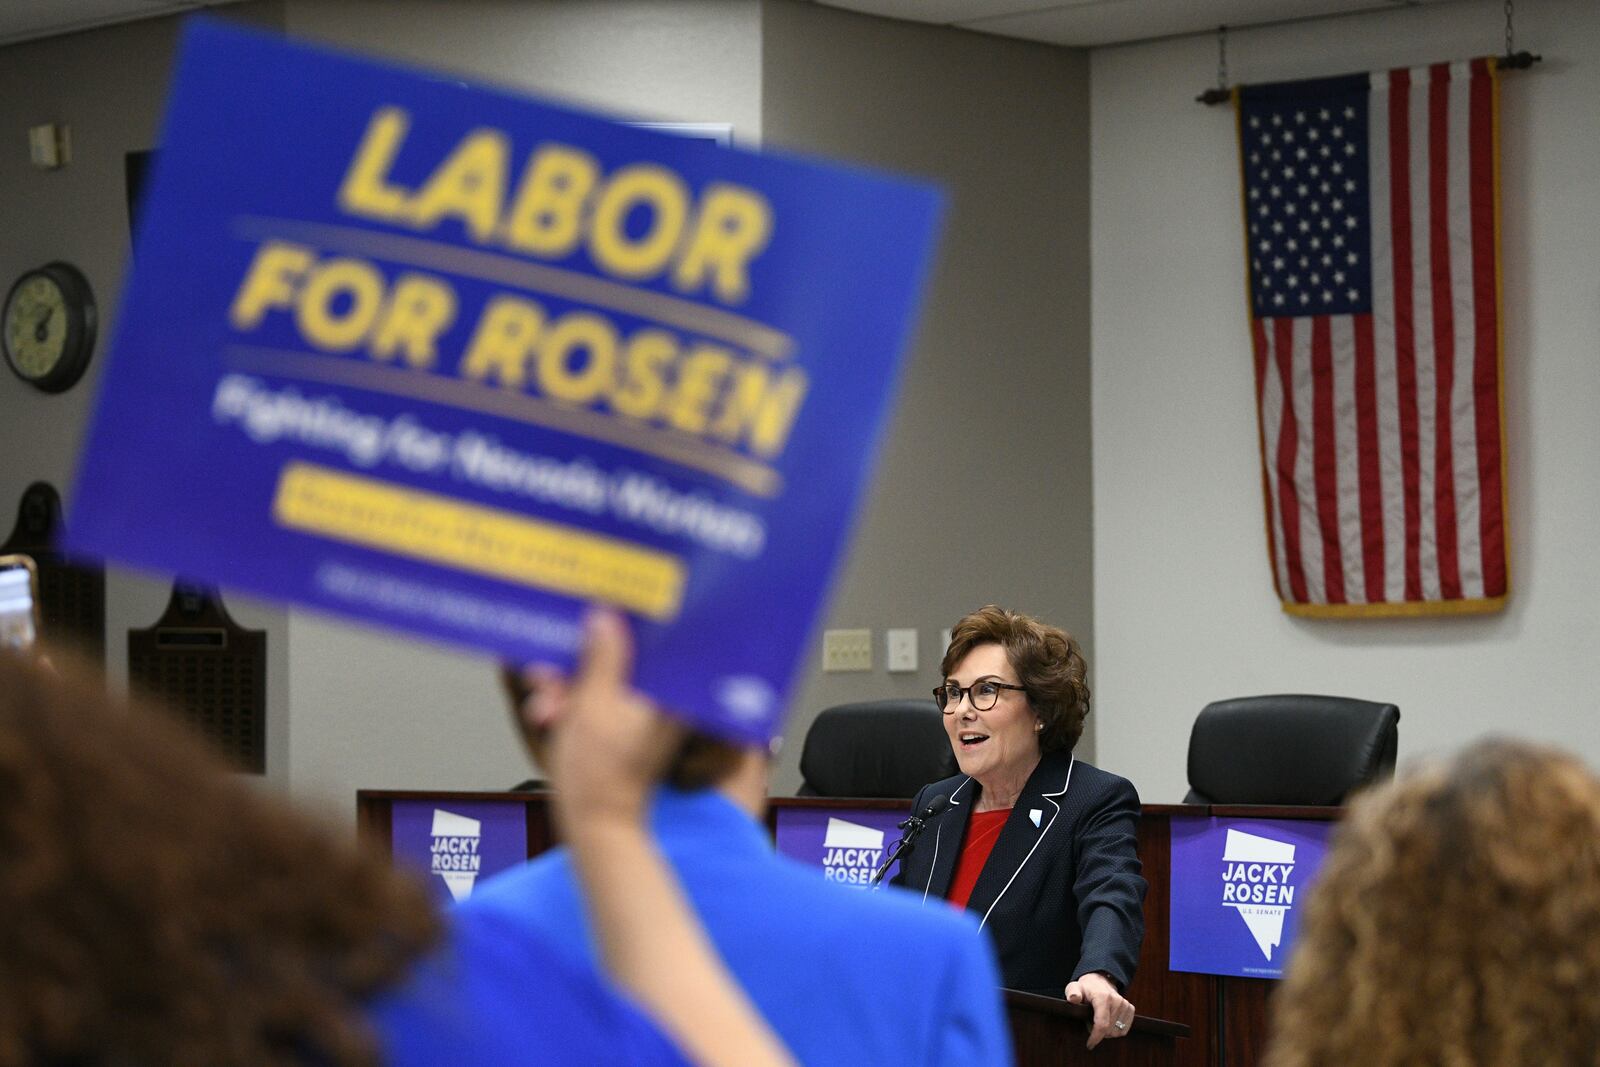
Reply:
x=154, y=909
x=1456, y=921
x=1048, y=662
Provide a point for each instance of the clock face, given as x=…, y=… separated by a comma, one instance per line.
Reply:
x=36, y=326
x=48, y=327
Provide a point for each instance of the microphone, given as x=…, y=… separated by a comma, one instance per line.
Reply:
x=935, y=807
x=913, y=825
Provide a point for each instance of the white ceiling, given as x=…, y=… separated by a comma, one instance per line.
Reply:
x=1088, y=23
x=1079, y=23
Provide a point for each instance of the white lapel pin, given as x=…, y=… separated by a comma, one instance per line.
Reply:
x=1035, y=814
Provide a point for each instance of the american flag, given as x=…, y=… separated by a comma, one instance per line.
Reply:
x=1372, y=219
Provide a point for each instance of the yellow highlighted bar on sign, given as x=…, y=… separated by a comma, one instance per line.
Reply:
x=488, y=541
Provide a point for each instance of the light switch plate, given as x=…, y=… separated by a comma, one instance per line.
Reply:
x=846, y=650
x=902, y=650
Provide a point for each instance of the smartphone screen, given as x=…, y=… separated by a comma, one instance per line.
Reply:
x=19, y=599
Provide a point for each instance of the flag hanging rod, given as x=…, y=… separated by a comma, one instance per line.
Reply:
x=1513, y=61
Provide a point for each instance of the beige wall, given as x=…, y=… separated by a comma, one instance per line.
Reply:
x=667, y=60
x=983, y=490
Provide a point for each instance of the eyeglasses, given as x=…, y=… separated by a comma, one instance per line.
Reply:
x=983, y=694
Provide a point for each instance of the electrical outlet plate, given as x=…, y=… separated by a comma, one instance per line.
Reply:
x=846, y=650
x=901, y=653
x=49, y=146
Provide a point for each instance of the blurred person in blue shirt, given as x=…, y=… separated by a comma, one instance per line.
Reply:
x=842, y=976
x=154, y=909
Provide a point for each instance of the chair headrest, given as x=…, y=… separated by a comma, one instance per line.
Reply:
x=1290, y=749
x=876, y=748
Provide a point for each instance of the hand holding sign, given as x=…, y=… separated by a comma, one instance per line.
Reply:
x=607, y=747
x=604, y=744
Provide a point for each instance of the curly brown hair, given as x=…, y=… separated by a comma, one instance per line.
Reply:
x=154, y=909
x=1456, y=921
x=1048, y=662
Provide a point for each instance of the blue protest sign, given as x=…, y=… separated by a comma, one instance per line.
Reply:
x=453, y=361
x=459, y=843
x=1238, y=890
x=848, y=844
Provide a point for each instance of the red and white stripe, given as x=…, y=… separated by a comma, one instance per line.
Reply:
x=1381, y=432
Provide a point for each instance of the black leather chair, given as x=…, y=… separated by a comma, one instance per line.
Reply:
x=878, y=748
x=1292, y=749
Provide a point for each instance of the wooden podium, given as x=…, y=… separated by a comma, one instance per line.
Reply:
x=1223, y=1021
x=1047, y=1032
x=1044, y=1030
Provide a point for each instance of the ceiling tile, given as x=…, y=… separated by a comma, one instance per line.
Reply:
x=940, y=12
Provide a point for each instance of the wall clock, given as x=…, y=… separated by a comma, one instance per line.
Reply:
x=48, y=327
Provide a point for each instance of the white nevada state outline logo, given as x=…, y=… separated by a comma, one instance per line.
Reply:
x=1255, y=881
x=851, y=852
x=455, y=851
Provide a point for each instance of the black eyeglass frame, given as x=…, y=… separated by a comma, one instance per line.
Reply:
x=941, y=694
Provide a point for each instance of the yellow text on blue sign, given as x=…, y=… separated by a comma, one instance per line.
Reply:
x=489, y=541
x=692, y=369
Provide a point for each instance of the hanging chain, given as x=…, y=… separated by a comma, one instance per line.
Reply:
x=1510, y=49
x=1222, y=52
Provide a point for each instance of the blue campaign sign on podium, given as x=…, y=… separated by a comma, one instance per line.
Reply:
x=1238, y=891
x=847, y=844
x=458, y=843
x=457, y=362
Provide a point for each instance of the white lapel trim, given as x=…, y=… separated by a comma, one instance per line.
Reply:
x=1050, y=797
x=937, y=831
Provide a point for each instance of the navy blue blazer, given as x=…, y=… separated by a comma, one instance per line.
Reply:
x=1062, y=893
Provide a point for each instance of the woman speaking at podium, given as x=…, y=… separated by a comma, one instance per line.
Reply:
x=1037, y=843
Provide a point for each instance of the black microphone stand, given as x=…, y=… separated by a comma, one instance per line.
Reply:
x=912, y=826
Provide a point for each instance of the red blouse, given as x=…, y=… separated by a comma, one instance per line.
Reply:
x=983, y=830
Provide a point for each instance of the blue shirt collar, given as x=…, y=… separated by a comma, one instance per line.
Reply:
x=699, y=816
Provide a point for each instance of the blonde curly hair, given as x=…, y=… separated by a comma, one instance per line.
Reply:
x=1456, y=922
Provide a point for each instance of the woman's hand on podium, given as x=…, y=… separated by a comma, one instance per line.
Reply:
x=1113, y=1014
